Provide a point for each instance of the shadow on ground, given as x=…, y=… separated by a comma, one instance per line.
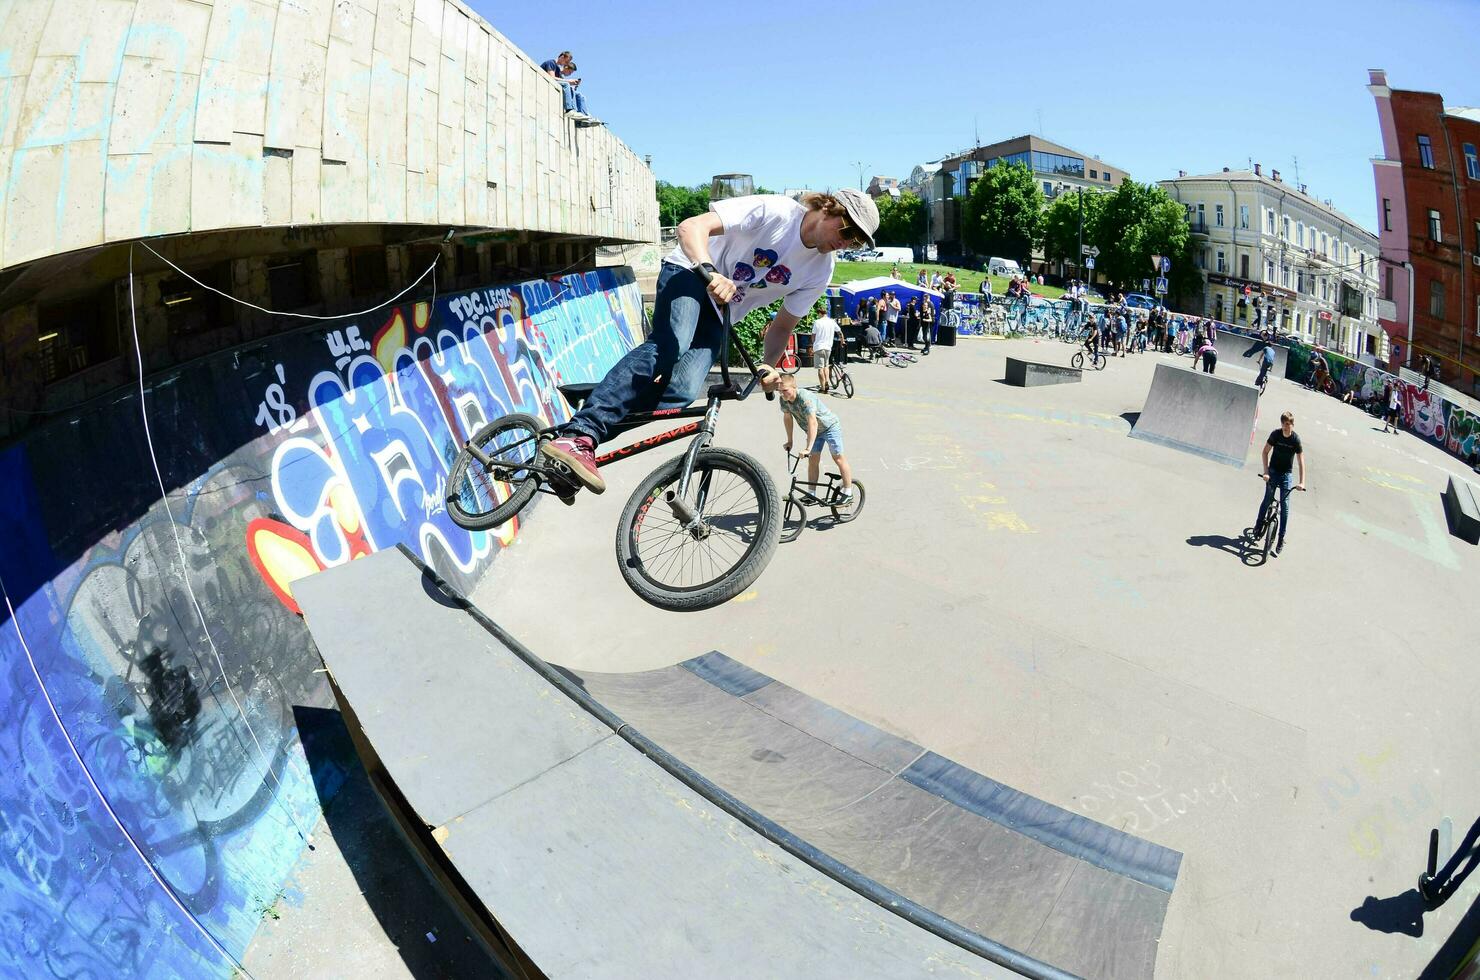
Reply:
x=429, y=936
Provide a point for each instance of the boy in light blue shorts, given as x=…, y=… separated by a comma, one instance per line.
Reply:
x=822, y=426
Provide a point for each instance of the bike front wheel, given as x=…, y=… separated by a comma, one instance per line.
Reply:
x=1077, y=361
x=481, y=497
x=1100, y=361
x=1271, y=529
x=793, y=521
x=683, y=568
x=845, y=384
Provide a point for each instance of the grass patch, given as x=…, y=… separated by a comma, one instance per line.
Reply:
x=967, y=281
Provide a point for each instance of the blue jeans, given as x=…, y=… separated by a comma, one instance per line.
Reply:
x=1284, y=482
x=1264, y=367
x=669, y=369
x=572, y=97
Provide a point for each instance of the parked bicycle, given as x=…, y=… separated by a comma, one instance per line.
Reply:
x=696, y=532
x=826, y=493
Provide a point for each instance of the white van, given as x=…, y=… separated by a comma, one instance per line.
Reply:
x=1003, y=267
x=887, y=253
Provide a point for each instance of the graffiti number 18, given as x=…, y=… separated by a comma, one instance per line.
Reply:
x=274, y=411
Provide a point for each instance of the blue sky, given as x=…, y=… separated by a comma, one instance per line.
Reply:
x=797, y=94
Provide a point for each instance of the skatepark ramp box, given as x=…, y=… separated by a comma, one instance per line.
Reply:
x=576, y=845
x=1031, y=374
x=1199, y=413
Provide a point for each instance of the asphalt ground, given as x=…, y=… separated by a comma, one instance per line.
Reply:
x=1067, y=610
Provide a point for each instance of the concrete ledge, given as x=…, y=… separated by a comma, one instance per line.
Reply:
x=1462, y=507
x=1031, y=374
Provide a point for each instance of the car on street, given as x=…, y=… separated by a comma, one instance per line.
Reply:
x=1141, y=301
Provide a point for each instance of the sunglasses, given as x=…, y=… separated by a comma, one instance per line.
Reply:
x=852, y=234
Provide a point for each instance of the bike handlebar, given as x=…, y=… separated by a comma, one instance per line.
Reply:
x=707, y=275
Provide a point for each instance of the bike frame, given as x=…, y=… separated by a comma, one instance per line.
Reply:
x=829, y=483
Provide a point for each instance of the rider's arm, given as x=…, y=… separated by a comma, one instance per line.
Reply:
x=811, y=431
x=778, y=332
x=694, y=234
x=1301, y=458
x=1264, y=470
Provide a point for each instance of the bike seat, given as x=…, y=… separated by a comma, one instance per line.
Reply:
x=577, y=394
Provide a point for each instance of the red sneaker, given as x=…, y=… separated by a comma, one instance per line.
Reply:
x=578, y=453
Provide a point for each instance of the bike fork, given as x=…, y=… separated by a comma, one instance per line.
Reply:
x=687, y=514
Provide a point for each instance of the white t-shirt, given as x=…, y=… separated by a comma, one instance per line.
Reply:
x=824, y=333
x=761, y=250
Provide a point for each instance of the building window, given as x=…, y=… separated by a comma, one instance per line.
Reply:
x=1472, y=162
x=1436, y=299
x=1269, y=221
x=1387, y=214
x=1477, y=236
x=1094, y=174
x=1436, y=230
x=1201, y=217
x=1200, y=259
x=1284, y=275
x=1243, y=216
x=1222, y=266
x=1218, y=215
x=190, y=309
x=76, y=335
x=367, y=272
x=1106, y=176
x=1048, y=188
x=1299, y=280
x=1286, y=234
x=1425, y=152
x=1300, y=233
x=1243, y=266
x=1362, y=262
x=1269, y=270
x=293, y=281
x=1387, y=292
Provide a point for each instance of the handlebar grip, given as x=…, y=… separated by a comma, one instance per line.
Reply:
x=770, y=396
x=704, y=273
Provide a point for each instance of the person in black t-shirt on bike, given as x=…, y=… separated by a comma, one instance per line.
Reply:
x=1281, y=451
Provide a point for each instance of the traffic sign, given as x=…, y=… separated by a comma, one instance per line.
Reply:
x=1161, y=284
x=1090, y=250
x=1155, y=262
x=1089, y=263
x=1166, y=265
x=1145, y=285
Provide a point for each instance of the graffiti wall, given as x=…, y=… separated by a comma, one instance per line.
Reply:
x=155, y=793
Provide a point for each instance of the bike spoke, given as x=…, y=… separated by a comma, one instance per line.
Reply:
x=729, y=509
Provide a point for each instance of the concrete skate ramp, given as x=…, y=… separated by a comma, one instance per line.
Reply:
x=1199, y=413
x=565, y=813
x=1231, y=347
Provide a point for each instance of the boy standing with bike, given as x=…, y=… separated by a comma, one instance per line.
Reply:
x=1281, y=451
x=746, y=252
x=822, y=426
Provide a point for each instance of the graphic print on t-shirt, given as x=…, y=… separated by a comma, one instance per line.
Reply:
x=781, y=274
x=743, y=273
x=765, y=258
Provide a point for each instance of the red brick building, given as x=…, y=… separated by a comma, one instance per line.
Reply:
x=1428, y=224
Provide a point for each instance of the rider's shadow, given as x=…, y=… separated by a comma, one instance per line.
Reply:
x=1238, y=547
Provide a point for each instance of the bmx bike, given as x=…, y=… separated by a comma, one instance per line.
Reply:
x=1271, y=522
x=827, y=492
x=696, y=532
x=1097, y=360
x=839, y=378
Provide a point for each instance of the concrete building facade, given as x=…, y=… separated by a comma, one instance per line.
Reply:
x=1058, y=169
x=1428, y=204
x=1312, y=266
x=307, y=155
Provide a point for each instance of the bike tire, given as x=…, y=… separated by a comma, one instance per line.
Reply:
x=895, y=361
x=1100, y=362
x=466, y=498
x=790, y=364
x=793, y=521
x=1271, y=528
x=1077, y=361
x=731, y=580
x=847, y=385
x=903, y=355
x=845, y=514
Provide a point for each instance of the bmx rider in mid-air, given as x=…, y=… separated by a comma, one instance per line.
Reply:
x=746, y=252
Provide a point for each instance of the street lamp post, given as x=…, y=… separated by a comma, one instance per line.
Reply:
x=1079, y=256
x=860, y=167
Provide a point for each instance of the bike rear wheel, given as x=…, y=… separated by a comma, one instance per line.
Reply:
x=1100, y=361
x=665, y=564
x=845, y=512
x=789, y=364
x=473, y=490
x=1271, y=528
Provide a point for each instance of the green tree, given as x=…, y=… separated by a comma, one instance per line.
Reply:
x=1004, y=213
x=675, y=202
x=1137, y=222
x=1061, y=225
x=901, y=221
